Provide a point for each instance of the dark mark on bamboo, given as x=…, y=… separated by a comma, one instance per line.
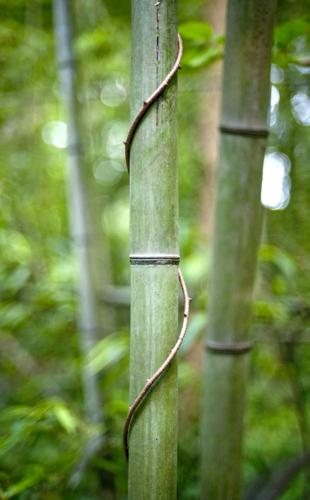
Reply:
x=66, y=64
x=229, y=348
x=140, y=260
x=74, y=149
x=246, y=131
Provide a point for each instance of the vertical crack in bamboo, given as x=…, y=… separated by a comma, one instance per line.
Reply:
x=150, y=100
x=145, y=391
x=157, y=5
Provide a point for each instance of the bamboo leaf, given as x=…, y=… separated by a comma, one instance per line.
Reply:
x=107, y=352
x=30, y=480
x=198, y=31
x=66, y=419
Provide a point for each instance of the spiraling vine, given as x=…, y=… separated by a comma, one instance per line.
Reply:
x=145, y=391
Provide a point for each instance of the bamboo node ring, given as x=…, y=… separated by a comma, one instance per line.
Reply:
x=229, y=348
x=246, y=131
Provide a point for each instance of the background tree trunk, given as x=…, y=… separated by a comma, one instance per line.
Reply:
x=79, y=206
x=209, y=119
x=238, y=221
x=154, y=288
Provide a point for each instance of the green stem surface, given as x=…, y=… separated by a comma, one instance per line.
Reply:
x=153, y=228
x=238, y=222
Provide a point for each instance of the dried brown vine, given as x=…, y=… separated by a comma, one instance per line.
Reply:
x=156, y=376
x=150, y=100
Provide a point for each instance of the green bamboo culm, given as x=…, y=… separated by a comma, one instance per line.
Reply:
x=79, y=207
x=154, y=232
x=237, y=229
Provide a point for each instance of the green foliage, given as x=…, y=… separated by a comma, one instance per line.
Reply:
x=292, y=41
x=202, y=45
x=25, y=430
x=107, y=352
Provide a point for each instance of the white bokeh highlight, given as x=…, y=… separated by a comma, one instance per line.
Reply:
x=55, y=134
x=276, y=184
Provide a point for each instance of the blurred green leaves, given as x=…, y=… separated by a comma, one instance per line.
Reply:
x=196, y=31
x=23, y=432
x=292, y=41
x=284, y=263
x=201, y=45
x=33, y=476
x=93, y=43
x=107, y=352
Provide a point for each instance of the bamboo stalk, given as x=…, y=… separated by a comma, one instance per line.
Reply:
x=208, y=133
x=79, y=206
x=153, y=228
x=238, y=221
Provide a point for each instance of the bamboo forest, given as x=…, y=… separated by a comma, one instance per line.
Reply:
x=155, y=250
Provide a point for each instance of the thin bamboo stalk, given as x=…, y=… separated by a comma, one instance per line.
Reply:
x=79, y=206
x=153, y=227
x=238, y=222
x=208, y=133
